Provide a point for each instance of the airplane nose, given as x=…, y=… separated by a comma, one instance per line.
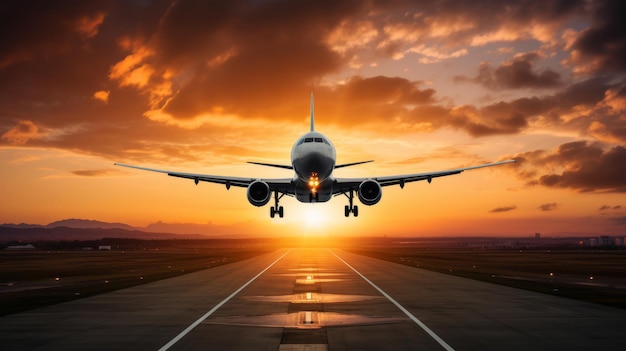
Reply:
x=314, y=163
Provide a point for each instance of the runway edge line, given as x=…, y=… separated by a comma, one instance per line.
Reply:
x=391, y=299
x=206, y=315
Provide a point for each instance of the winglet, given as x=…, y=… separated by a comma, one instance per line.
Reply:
x=312, y=114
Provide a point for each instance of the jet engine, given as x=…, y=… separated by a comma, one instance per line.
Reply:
x=370, y=192
x=259, y=193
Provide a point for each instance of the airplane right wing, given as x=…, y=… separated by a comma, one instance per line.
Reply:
x=344, y=185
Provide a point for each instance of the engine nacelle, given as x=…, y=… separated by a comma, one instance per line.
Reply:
x=370, y=192
x=259, y=193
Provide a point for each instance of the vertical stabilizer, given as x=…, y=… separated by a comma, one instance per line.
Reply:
x=312, y=114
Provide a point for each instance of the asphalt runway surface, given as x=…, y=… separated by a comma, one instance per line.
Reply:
x=317, y=299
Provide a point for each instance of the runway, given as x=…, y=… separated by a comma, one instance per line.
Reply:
x=317, y=299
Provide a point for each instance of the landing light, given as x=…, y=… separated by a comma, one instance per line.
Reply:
x=314, y=182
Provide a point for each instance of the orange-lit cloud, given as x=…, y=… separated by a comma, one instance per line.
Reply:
x=21, y=133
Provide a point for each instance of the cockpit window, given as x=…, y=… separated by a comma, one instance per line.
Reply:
x=318, y=140
x=301, y=141
x=326, y=142
x=308, y=140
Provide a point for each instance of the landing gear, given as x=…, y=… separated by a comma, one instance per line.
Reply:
x=351, y=208
x=277, y=209
x=313, y=197
x=274, y=211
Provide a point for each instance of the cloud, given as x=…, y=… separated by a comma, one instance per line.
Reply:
x=549, y=207
x=503, y=209
x=93, y=172
x=607, y=207
x=582, y=166
x=168, y=81
x=21, y=133
x=515, y=74
x=601, y=47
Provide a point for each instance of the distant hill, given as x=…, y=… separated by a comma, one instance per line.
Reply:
x=84, y=229
x=30, y=234
x=72, y=223
x=88, y=223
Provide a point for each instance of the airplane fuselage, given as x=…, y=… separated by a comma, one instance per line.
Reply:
x=313, y=159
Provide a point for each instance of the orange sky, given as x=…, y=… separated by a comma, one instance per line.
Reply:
x=204, y=87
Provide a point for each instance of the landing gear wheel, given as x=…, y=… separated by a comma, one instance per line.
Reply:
x=280, y=212
x=272, y=212
x=347, y=211
x=355, y=211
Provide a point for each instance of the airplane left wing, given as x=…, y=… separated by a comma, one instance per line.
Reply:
x=282, y=185
x=343, y=185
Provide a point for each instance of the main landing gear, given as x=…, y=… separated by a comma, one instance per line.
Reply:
x=277, y=209
x=351, y=208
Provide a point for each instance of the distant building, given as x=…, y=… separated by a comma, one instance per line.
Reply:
x=537, y=235
x=104, y=247
x=26, y=247
x=604, y=240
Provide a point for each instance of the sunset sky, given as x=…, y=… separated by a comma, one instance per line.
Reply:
x=205, y=86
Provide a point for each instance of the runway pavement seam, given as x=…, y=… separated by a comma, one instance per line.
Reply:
x=432, y=334
x=216, y=307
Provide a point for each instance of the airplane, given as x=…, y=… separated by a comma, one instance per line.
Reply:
x=313, y=160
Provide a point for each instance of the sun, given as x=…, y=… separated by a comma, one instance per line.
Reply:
x=314, y=216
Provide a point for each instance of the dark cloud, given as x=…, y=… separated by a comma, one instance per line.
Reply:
x=93, y=172
x=602, y=46
x=503, y=209
x=549, y=207
x=607, y=207
x=515, y=74
x=578, y=165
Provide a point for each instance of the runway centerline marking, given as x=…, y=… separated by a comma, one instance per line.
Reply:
x=409, y=314
x=206, y=315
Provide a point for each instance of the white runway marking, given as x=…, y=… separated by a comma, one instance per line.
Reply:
x=206, y=315
x=409, y=314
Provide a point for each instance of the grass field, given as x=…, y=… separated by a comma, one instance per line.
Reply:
x=597, y=276
x=39, y=278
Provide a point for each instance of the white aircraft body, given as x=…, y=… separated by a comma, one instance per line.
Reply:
x=313, y=159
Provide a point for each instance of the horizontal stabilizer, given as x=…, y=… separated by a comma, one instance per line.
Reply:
x=353, y=164
x=271, y=165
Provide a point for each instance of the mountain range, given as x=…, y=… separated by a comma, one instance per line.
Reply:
x=86, y=229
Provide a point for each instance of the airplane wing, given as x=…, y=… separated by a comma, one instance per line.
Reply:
x=283, y=185
x=346, y=184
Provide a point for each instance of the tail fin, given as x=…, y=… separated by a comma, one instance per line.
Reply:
x=312, y=114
